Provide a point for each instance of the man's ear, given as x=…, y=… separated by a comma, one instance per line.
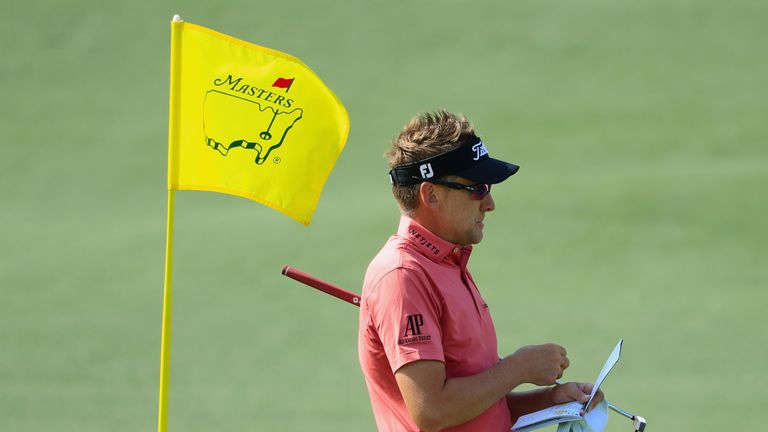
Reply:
x=428, y=194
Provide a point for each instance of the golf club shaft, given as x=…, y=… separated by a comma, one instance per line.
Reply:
x=322, y=285
x=621, y=411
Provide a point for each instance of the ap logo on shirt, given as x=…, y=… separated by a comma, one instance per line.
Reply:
x=413, y=330
x=414, y=325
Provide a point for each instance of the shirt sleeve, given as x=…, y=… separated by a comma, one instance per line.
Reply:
x=407, y=318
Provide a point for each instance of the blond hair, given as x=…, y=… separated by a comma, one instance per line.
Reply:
x=426, y=135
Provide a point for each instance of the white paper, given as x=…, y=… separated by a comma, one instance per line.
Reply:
x=571, y=411
x=609, y=364
x=547, y=416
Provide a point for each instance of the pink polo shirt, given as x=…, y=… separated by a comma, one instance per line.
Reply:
x=419, y=302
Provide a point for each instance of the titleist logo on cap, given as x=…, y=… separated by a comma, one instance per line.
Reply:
x=479, y=150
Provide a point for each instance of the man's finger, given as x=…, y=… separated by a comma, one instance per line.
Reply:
x=599, y=396
x=574, y=392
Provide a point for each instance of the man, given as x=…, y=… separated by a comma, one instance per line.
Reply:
x=426, y=341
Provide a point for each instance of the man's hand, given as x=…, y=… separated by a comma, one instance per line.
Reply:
x=572, y=391
x=543, y=364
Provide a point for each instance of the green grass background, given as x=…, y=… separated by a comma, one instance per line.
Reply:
x=639, y=212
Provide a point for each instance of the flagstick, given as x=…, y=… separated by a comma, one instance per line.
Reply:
x=165, y=343
x=173, y=127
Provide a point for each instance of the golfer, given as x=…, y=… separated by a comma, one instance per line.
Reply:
x=426, y=340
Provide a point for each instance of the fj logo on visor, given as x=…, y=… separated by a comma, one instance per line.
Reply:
x=426, y=171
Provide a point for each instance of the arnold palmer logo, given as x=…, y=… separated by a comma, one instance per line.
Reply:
x=238, y=114
x=479, y=150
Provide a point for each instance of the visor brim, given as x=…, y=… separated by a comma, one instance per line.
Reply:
x=490, y=171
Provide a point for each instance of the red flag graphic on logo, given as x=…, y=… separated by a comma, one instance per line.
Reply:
x=283, y=83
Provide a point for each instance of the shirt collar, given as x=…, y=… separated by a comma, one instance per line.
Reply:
x=430, y=244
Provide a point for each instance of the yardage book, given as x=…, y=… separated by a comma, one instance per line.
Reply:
x=570, y=411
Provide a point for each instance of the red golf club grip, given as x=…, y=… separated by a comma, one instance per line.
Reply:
x=322, y=285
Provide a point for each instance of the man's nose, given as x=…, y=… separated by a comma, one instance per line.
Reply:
x=488, y=204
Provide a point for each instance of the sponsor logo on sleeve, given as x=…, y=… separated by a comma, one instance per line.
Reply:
x=413, y=330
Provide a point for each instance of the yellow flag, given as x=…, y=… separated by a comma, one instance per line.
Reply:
x=250, y=121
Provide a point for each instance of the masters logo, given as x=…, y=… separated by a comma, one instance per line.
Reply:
x=231, y=99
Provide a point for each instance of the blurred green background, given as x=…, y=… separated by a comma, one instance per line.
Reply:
x=639, y=212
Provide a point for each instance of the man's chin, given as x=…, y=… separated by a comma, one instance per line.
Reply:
x=478, y=237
